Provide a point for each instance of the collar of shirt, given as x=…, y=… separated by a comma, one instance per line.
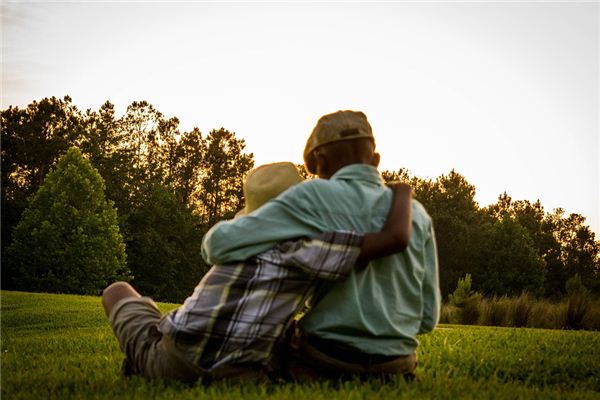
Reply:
x=362, y=172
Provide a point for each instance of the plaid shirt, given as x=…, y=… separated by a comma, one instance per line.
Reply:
x=239, y=311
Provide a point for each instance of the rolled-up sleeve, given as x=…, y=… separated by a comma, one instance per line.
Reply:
x=328, y=256
x=280, y=219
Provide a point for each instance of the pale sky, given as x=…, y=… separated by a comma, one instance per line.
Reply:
x=506, y=93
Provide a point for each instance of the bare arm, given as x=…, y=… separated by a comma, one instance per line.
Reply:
x=397, y=229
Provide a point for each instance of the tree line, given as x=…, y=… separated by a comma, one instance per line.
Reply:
x=509, y=247
x=169, y=186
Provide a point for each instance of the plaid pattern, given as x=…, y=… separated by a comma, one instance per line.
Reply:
x=238, y=312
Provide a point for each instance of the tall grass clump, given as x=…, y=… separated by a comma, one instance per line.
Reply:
x=497, y=312
x=591, y=319
x=578, y=310
x=521, y=309
x=449, y=314
x=579, y=302
x=547, y=315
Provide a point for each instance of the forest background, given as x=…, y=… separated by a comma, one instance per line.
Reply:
x=159, y=189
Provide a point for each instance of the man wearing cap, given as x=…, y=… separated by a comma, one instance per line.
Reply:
x=368, y=323
x=238, y=313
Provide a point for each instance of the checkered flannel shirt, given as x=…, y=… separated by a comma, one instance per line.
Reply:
x=239, y=311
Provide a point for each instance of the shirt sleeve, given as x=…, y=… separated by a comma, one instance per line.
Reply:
x=431, y=289
x=328, y=256
x=283, y=218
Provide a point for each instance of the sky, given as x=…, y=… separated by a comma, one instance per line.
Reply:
x=505, y=93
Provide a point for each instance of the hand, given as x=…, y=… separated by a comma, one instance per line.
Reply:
x=399, y=187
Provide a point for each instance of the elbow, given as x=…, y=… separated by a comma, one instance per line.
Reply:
x=207, y=254
x=210, y=252
x=402, y=241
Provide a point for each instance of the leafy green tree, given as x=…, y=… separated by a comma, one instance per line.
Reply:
x=163, y=245
x=509, y=261
x=223, y=167
x=401, y=175
x=187, y=175
x=532, y=217
x=575, y=287
x=463, y=292
x=68, y=240
x=565, y=244
x=466, y=300
x=140, y=124
x=450, y=200
x=167, y=149
x=458, y=222
x=579, y=250
x=104, y=143
x=151, y=171
x=33, y=139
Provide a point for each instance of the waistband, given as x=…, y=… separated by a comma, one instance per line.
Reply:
x=347, y=353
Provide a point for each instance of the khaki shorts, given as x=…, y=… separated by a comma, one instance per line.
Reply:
x=148, y=353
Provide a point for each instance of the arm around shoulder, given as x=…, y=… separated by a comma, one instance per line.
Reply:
x=395, y=235
x=238, y=239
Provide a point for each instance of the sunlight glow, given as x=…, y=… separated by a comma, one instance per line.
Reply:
x=507, y=94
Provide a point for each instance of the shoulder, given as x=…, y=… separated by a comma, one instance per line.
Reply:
x=310, y=190
x=315, y=185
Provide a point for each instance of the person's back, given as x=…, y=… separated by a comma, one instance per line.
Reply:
x=377, y=311
x=234, y=321
x=381, y=308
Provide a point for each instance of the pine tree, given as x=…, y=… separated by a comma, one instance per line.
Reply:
x=68, y=240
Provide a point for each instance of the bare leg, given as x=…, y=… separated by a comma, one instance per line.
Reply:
x=115, y=292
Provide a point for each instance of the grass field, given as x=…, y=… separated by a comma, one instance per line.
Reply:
x=60, y=346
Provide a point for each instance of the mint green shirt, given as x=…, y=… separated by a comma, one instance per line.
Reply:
x=378, y=310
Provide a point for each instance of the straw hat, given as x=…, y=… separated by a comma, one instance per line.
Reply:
x=266, y=182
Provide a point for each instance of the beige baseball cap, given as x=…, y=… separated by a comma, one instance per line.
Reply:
x=340, y=125
x=266, y=182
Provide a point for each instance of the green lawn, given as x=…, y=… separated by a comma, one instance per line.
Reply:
x=60, y=346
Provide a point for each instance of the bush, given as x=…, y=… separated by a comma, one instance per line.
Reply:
x=574, y=287
x=577, y=312
x=163, y=245
x=68, y=240
x=472, y=309
x=465, y=301
x=578, y=303
x=591, y=319
x=498, y=312
x=521, y=309
x=449, y=314
x=462, y=293
x=547, y=315
x=577, y=307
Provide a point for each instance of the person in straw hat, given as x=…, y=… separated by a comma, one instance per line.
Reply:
x=230, y=327
x=367, y=324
